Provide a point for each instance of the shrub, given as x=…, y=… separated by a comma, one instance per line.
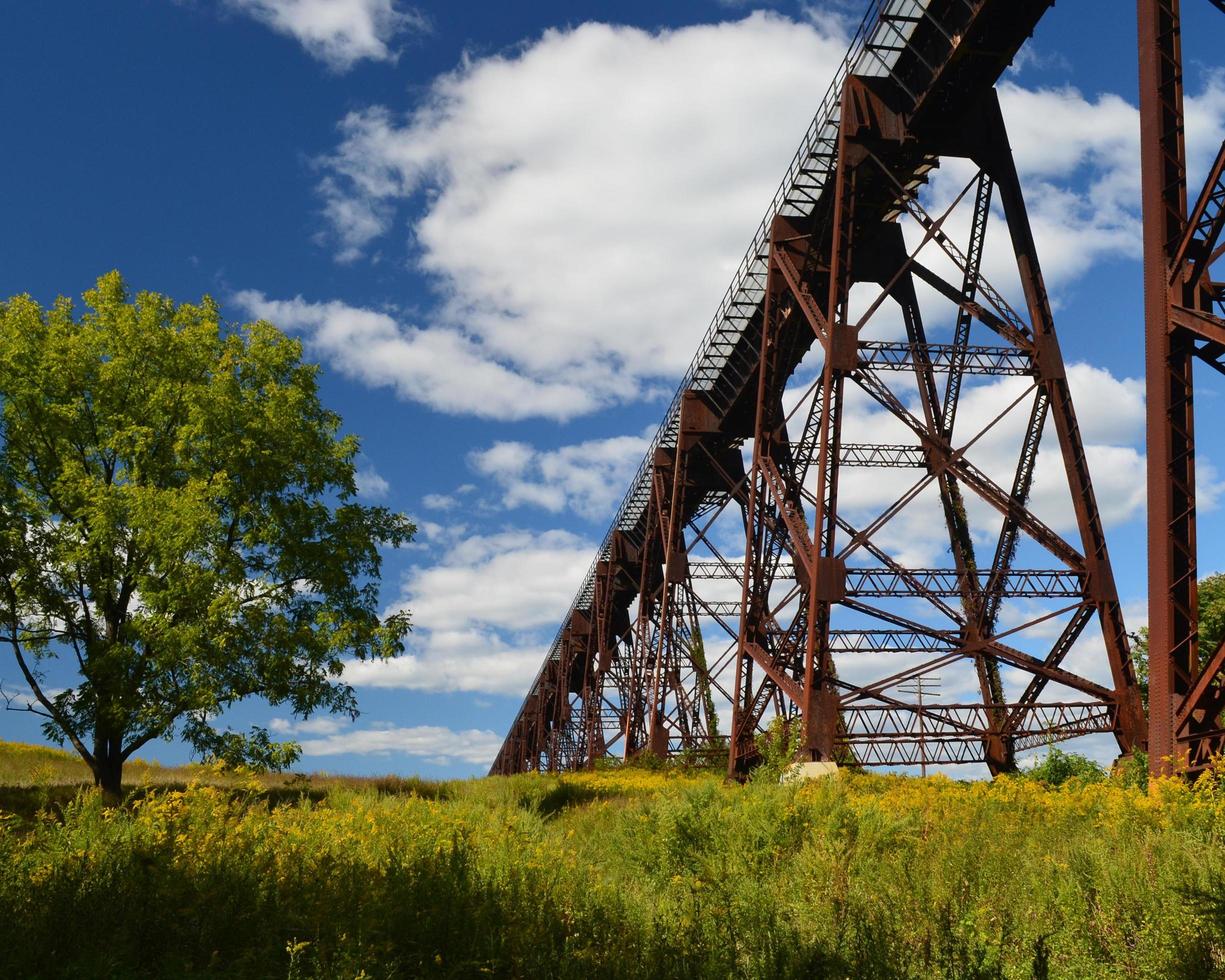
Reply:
x=1057, y=767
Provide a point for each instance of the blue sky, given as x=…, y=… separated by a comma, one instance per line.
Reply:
x=502, y=229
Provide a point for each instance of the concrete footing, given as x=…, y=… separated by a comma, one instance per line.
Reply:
x=801, y=771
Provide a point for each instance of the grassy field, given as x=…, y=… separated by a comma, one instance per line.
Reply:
x=40, y=780
x=621, y=873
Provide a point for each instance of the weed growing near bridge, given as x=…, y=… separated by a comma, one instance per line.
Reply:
x=625, y=873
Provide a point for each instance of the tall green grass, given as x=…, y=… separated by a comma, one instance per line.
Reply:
x=624, y=874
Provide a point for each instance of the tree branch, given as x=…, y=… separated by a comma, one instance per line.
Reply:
x=24, y=706
x=55, y=714
x=272, y=589
x=80, y=589
x=143, y=739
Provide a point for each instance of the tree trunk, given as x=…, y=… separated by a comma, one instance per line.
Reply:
x=108, y=777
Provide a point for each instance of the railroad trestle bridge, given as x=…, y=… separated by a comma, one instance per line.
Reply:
x=773, y=554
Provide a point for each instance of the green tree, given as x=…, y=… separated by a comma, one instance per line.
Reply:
x=1211, y=614
x=1057, y=767
x=178, y=528
x=1211, y=592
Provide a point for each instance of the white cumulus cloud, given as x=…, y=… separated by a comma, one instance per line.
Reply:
x=468, y=660
x=338, y=32
x=371, y=484
x=587, y=198
x=581, y=202
x=513, y=580
x=588, y=478
x=483, y=615
x=440, y=367
x=435, y=743
x=323, y=725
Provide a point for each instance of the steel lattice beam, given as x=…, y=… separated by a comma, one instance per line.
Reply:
x=818, y=621
x=1182, y=323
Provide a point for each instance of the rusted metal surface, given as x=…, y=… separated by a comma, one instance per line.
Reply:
x=1182, y=313
x=743, y=579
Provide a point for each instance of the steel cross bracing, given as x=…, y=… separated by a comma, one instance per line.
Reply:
x=769, y=557
x=1183, y=323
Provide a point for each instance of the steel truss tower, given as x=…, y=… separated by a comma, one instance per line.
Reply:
x=821, y=519
x=1183, y=321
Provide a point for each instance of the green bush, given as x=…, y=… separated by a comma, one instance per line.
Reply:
x=1057, y=767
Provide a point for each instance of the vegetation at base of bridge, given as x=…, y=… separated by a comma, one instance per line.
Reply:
x=625, y=872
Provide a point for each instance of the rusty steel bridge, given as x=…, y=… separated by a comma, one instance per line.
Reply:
x=750, y=572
